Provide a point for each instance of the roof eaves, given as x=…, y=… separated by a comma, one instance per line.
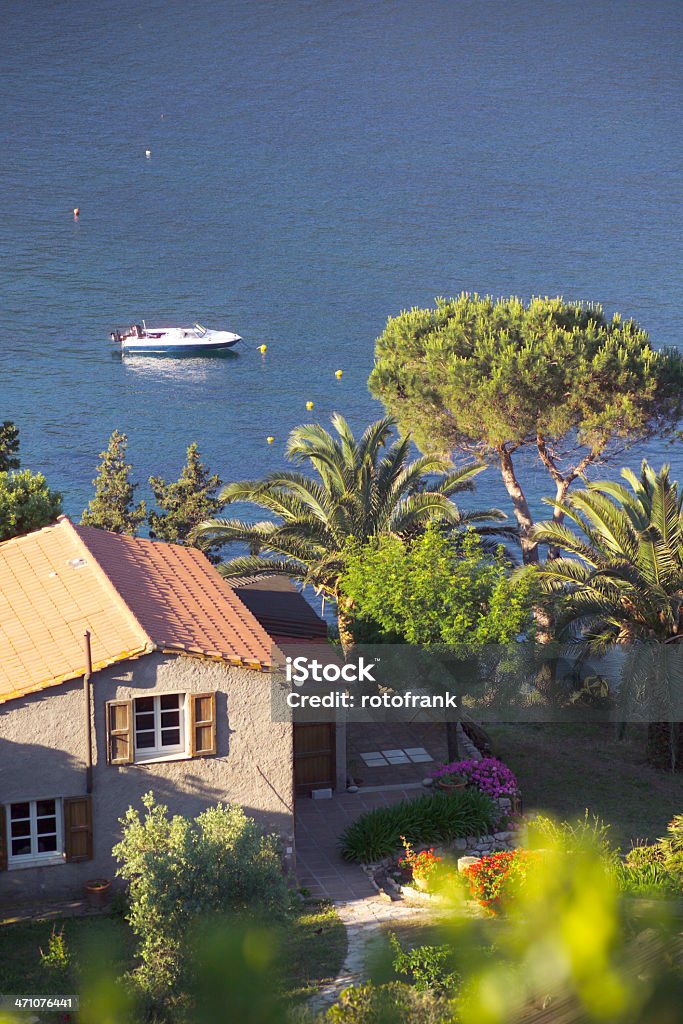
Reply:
x=230, y=659
x=67, y=677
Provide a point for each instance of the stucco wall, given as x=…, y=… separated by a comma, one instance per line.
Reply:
x=42, y=755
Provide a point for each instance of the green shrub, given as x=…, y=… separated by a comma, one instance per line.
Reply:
x=57, y=958
x=26, y=503
x=183, y=873
x=428, y=968
x=591, y=832
x=646, y=875
x=645, y=857
x=119, y=904
x=655, y=870
x=672, y=847
x=394, y=1003
x=432, y=818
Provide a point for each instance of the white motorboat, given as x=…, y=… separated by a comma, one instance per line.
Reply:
x=197, y=339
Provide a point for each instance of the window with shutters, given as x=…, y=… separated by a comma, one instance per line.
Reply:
x=34, y=833
x=161, y=727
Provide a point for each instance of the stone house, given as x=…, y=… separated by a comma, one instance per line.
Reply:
x=170, y=691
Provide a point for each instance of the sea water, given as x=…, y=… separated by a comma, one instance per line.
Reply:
x=313, y=167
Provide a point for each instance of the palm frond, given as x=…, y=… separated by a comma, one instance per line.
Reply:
x=252, y=565
x=355, y=490
x=625, y=580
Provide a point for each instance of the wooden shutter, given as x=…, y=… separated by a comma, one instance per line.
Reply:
x=202, y=724
x=120, y=732
x=3, y=839
x=78, y=828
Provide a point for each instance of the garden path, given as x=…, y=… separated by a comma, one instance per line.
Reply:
x=319, y=823
x=320, y=868
x=363, y=919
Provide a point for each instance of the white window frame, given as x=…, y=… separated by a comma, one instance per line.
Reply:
x=35, y=859
x=159, y=752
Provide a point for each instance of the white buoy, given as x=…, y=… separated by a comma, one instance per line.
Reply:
x=148, y=153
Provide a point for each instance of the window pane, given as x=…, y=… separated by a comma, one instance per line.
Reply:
x=21, y=828
x=144, y=722
x=170, y=737
x=46, y=826
x=169, y=719
x=143, y=740
x=20, y=811
x=47, y=844
x=170, y=702
x=21, y=847
x=144, y=704
x=44, y=807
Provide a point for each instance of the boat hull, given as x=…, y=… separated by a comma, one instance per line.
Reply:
x=160, y=348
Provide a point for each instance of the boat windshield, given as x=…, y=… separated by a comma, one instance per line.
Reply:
x=201, y=331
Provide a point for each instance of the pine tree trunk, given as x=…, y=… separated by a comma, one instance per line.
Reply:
x=452, y=741
x=665, y=745
x=520, y=507
x=558, y=515
x=525, y=522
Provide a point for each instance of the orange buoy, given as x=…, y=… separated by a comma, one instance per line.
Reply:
x=76, y=212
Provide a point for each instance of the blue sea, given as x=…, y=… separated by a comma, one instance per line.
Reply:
x=314, y=167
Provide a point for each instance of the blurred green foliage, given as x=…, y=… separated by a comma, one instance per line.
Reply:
x=570, y=943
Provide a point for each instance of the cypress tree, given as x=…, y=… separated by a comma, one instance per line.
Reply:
x=9, y=447
x=112, y=508
x=184, y=503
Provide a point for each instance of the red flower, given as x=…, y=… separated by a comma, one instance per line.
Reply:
x=494, y=879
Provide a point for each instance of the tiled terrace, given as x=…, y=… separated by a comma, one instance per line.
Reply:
x=389, y=740
x=319, y=823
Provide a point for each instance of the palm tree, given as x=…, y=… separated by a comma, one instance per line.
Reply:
x=362, y=489
x=623, y=579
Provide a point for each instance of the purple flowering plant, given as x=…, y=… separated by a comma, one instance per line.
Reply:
x=489, y=776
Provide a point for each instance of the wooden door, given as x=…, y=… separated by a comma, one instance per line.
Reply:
x=314, y=756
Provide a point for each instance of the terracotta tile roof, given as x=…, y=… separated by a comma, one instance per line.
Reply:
x=178, y=598
x=133, y=595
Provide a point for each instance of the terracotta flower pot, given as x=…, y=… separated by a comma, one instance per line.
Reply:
x=450, y=786
x=97, y=891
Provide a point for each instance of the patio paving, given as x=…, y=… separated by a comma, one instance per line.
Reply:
x=319, y=823
x=394, y=746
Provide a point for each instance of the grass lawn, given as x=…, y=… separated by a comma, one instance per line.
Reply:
x=431, y=928
x=21, y=970
x=314, y=946
x=564, y=769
